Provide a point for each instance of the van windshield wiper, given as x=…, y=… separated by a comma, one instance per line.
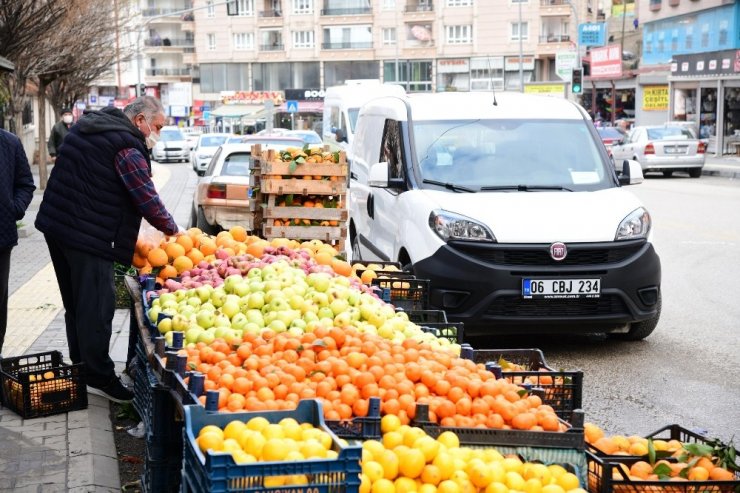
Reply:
x=527, y=188
x=449, y=186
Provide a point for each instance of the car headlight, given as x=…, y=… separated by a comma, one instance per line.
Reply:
x=635, y=225
x=451, y=226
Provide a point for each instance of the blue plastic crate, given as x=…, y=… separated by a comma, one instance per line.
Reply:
x=217, y=472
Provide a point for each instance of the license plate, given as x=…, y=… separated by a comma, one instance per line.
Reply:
x=561, y=288
x=675, y=150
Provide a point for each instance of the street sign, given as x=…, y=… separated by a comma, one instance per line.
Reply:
x=292, y=106
x=565, y=62
x=592, y=34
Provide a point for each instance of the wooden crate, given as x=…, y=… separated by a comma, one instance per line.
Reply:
x=273, y=211
x=298, y=186
x=333, y=235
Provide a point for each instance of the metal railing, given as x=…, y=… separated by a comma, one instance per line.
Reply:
x=271, y=13
x=168, y=72
x=347, y=46
x=349, y=11
x=177, y=42
x=553, y=3
x=272, y=47
x=175, y=11
x=419, y=8
x=554, y=38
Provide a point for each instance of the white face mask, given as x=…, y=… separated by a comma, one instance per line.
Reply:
x=67, y=119
x=152, y=139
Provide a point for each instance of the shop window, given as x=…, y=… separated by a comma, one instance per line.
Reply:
x=708, y=113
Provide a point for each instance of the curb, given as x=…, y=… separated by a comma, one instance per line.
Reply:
x=729, y=173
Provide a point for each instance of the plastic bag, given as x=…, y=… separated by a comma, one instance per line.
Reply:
x=150, y=235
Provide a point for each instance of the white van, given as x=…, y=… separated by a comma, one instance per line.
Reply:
x=342, y=105
x=510, y=206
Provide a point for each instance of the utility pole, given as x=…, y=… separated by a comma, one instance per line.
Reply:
x=521, y=51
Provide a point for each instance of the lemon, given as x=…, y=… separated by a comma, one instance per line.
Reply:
x=273, y=431
x=365, y=483
x=372, y=470
x=444, y=463
x=374, y=447
x=431, y=475
x=296, y=479
x=211, y=429
x=293, y=430
x=312, y=449
x=273, y=481
x=411, y=435
x=392, y=439
x=252, y=442
x=427, y=488
x=231, y=445
x=533, y=485
x=498, y=472
x=556, y=470
x=275, y=449
x=448, y=486
x=210, y=440
x=332, y=454
x=383, y=486
x=552, y=488
x=497, y=487
x=568, y=481
x=428, y=446
x=514, y=481
x=325, y=439
x=295, y=455
x=404, y=485
x=234, y=429
x=257, y=424
x=480, y=474
x=449, y=439
x=389, y=422
x=241, y=457
x=389, y=461
x=537, y=471
x=513, y=464
x=412, y=463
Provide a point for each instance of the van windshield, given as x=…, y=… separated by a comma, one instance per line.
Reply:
x=510, y=155
x=353, y=113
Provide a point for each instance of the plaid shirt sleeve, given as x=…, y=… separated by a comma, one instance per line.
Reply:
x=132, y=168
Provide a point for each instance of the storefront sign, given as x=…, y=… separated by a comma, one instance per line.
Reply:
x=655, y=98
x=592, y=34
x=453, y=66
x=606, y=62
x=726, y=62
x=180, y=94
x=556, y=90
x=511, y=63
x=565, y=62
x=251, y=97
x=305, y=94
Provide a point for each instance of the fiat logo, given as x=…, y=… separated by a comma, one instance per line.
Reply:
x=558, y=251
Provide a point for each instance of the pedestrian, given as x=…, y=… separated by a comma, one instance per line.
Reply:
x=16, y=192
x=97, y=194
x=59, y=131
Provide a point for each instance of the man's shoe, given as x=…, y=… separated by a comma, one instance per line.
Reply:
x=114, y=391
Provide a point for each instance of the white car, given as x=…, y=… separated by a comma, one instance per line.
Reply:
x=172, y=146
x=663, y=148
x=509, y=205
x=204, y=149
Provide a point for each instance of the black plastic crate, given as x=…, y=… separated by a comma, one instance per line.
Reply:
x=452, y=331
x=409, y=294
x=41, y=384
x=359, y=428
x=563, y=390
x=609, y=475
x=153, y=402
x=162, y=475
x=420, y=317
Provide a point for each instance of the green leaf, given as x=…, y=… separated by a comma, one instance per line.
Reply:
x=522, y=392
x=699, y=449
x=335, y=156
x=306, y=148
x=662, y=470
x=300, y=160
x=292, y=166
x=289, y=200
x=651, y=451
x=192, y=366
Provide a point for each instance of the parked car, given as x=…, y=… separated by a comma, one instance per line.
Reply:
x=510, y=207
x=662, y=148
x=172, y=146
x=204, y=149
x=191, y=134
x=309, y=136
x=222, y=194
x=609, y=137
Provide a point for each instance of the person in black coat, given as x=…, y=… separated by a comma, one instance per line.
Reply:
x=59, y=131
x=16, y=192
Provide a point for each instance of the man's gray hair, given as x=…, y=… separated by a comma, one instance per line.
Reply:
x=147, y=105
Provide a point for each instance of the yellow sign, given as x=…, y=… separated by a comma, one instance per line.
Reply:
x=655, y=98
x=545, y=89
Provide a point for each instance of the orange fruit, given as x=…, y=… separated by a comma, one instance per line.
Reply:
x=195, y=255
x=138, y=261
x=207, y=246
x=720, y=474
x=167, y=271
x=157, y=257
x=341, y=267
x=238, y=233
x=182, y=263
x=257, y=248
x=186, y=242
x=323, y=258
x=174, y=250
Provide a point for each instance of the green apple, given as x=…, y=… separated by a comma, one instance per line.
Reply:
x=238, y=321
x=194, y=301
x=204, y=292
x=191, y=335
x=256, y=300
x=325, y=312
x=338, y=306
x=180, y=323
x=278, y=326
x=205, y=318
x=207, y=337
x=230, y=308
x=222, y=320
x=153, y=314
x=165, y=325
x=165, y=297
x=168, y=338
x=319, y=281
x=254, y=273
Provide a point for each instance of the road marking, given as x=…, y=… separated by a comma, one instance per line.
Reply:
x=33, y=306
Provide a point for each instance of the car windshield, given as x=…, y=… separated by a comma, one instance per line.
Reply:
x=308, y=137
x=236, y=164
x=511, y=155
x=277, y=144
x=212, y=140
x=669, y=133
x=610, y=133
x=170, y=135
x=235, y=140
x=353, y=113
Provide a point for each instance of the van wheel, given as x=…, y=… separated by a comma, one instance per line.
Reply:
x=356, y=257
x=640, y=330
x=668, y=174
x=695, y=172
x=203, y=225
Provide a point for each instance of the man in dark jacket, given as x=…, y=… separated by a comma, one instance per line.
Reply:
x=16, y=192
x=96, y=196
x=59, y=131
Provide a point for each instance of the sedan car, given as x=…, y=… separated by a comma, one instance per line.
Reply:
x=172, y=146
x=662, y=148
x=609, y=137
x=309, y=136
x=205, y=148
x=222, y=195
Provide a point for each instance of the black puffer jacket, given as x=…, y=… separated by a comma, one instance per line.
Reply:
x=16, y=187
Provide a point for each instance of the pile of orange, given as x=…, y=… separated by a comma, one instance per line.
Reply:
x=344, y=369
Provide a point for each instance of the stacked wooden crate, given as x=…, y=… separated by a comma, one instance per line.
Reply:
x=303, y=196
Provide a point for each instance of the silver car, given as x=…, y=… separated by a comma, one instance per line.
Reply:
x=204, y=149
x=662, y=148
x=172, y=146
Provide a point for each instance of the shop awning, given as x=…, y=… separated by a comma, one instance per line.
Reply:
x=304, y=107
x=6, y=65
x=237, y=110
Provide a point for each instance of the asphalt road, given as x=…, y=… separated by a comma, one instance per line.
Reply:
x=687, y=371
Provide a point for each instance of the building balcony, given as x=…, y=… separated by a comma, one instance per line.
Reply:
x=554, y=7
x=347, y=11
x=272, y=47
x=419, y=7
x=555, y=38
x=347, y=46
x=164, y=43
x=169, y=72
x=271, y=13
x=167, y=15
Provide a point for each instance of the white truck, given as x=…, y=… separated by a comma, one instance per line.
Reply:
x=510, y=206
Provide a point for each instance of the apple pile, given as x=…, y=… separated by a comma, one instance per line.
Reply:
x=277, y=293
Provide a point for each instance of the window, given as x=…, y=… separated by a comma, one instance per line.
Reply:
x=648, y=43
x=518, y=30
x=389, y=35
x=211, y=41
x=486, y=72
x=413, y=75
x=211, y=10
x=674, y=40
x=241, y=8
x=704, y=35
x=216, y=77
x=689, y=37
x=303, y=39
x=459, y=35
x=302, y=6
x=243, y=41
x=391, y=149
x=27, y=114
x=459, y=3
x=723, y=32
x=389, y=4
x=661, y=42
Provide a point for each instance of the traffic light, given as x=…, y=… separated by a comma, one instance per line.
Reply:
x=576, y=81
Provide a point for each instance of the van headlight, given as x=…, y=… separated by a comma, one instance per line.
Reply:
x=635, y=225
x=451, y=226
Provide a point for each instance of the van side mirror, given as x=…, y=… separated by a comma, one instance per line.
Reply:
x=378, y=176
x=631, y=173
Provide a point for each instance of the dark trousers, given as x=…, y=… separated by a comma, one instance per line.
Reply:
x=89, y=297
x=4, y=276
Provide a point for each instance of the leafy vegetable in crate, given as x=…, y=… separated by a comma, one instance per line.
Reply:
x=307, y=154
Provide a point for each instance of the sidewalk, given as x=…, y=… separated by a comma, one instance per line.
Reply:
x=727, y=166
x=74, y=451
